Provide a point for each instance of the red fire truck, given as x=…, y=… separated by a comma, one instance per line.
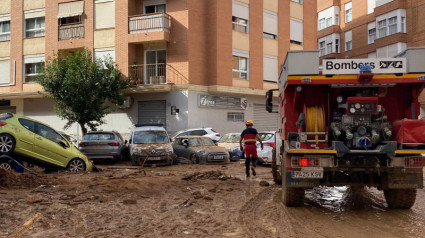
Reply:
x=354, y=122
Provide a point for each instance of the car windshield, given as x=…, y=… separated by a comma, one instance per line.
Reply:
x=230, y=138
x=150, y=137
x=99, y=136
x=200, y=141
x=265, y=136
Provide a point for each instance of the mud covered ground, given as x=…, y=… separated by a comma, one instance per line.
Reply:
x=192, y=201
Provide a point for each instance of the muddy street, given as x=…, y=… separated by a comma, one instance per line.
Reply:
x=192, y=201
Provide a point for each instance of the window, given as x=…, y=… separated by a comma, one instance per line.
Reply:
x=4, y=30
x=198, y=133
x=48, y=133
x=34, y=27
x=269, y=24
x=235, y=116
x=321, y=23
x=240, y=24
x=5, y=71
x=155, y=66
x=240, y=67
x=336, y=45
x=269, y=36
x=392, y=25
x=372, y=35
x=69, y=20
x=382, y=28
x=370, y=6
x=28, y=124
x=348, y=42
x=329, y=22
x=160, y=8
x=348, y=13
x=296, y=31
x=270, y=68
x=328, y=48
x=298, y=1
x=322, y=48
x=336, y=19
x=104, y=12
x=403, y=24
x=32, y=70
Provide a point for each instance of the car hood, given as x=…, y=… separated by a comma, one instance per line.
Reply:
x=230, y=146
x=148, y=148
x=209, y=149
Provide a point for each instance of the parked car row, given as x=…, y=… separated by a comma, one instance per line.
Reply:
x=37, y=143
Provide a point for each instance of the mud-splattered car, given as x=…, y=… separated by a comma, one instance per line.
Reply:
x=230, y=141
x=200, y=150
x=150, y=145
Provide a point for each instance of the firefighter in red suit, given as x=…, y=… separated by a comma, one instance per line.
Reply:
x=250, y=137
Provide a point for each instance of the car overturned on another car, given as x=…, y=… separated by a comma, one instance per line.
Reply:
x=37, y=143
x=199, y=150
x=150, y=144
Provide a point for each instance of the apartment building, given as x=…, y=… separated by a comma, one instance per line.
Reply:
x=194, y=63
x=370, y=28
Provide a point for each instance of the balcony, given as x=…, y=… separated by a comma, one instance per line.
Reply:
x=152, y=74
x=71, y=31
x=156, y=27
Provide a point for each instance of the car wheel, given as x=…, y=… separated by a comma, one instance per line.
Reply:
x=76, y=166
x=7, y=144
x=7, y=165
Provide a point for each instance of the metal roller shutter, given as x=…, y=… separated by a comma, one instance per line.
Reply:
x=152, y=112
x=265, y=121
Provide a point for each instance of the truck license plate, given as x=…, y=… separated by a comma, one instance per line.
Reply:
x=308, y=173
x=154, y=158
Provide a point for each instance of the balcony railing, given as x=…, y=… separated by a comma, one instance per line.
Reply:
x=71, y=31
x=149, y=23
x=150, y=74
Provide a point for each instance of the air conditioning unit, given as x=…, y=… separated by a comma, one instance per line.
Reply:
x=127, y=102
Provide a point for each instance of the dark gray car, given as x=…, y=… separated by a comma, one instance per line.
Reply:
x=200, y=150
x=103, y=145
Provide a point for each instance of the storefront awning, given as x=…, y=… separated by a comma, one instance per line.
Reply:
x=71, y=9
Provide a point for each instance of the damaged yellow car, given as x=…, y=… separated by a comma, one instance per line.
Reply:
x=150, y=145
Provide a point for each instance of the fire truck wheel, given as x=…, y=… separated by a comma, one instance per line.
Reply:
x=277, y=176
x=400, y=198
x=293, y=197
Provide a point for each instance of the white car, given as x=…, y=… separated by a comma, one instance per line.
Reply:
x=268, y=139
x=208, y=132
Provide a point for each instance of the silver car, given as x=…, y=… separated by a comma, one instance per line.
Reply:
x=200, y=150
x=103, y=145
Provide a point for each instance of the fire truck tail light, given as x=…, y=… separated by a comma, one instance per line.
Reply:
x=305, y=162
x=413, y=162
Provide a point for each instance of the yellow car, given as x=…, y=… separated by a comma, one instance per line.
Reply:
x=37, y=143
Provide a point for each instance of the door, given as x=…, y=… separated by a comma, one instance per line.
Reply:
x=26, y=137
x=47, y=147
x=265, y=121
x=152, y=112
x=155, y=66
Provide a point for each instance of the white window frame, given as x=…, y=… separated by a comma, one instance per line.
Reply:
x=322, y=49
x=5, y=34
x=403, y=24
x=322, y=24
x=240, y=24
x=371, y=35
x=382, y=28
x=392, y=25
x=37, y=61
x=41, y=31
x=239, y=70
x=235, y=116
x=328, y=22
x=348, y=12
x=298, y=1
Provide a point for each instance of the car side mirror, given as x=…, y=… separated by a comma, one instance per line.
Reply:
x=63, y=144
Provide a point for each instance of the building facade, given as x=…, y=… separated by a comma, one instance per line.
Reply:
x=369, y=29
x=194, y=63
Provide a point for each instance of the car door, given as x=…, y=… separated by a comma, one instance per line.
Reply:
x=26, y=138
x=178, y=147
x=47, y=147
